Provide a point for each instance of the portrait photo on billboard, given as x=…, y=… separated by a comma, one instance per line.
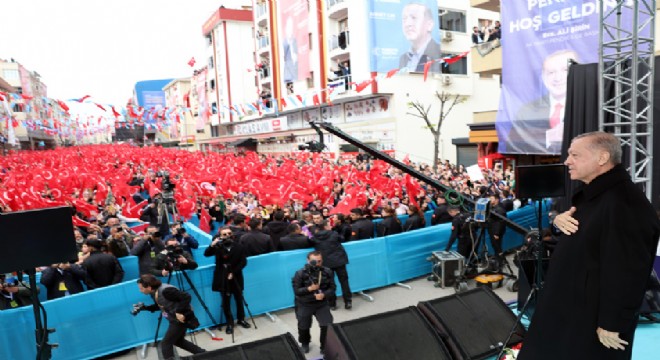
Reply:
x=294, y=40
x=540, y=41
x=404, y=34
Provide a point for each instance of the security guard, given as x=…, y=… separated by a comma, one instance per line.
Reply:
x=460, y=229
x=312, y=286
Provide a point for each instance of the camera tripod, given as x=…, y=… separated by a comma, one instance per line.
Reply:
x=244, y=303
x=180, y=276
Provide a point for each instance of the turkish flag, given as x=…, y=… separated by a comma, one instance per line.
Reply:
x=205, y=221
x=191, y=62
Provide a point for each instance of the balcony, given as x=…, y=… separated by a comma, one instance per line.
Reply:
x=487, y=59
x=339, y=46
x=261, y=14
x=263, y=44
x=492, y=5
x=337, y=9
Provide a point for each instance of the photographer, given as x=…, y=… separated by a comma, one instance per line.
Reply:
x=460, y=229
x=174, y=258
x=186, y=241
x=12, y=294
x=176, y=308
x=146, y=249
x=312, y=286
x=230, y=259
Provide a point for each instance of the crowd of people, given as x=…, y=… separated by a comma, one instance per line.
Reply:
x=121, y=213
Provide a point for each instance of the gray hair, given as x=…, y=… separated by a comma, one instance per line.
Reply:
x=599, y=140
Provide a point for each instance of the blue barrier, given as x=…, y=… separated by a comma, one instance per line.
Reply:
x=103, y=315
x=130, y=266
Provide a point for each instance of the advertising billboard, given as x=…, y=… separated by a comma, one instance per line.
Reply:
x=403, y=33
x=539, y=39
x=294, y=40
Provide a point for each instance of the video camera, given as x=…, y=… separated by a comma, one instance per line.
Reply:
x=166, y=187
x=173, y=254
x=137, y=308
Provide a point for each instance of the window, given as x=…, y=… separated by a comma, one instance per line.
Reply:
x=214, y=108
x=457, y=68
x=212, y=84
x=215, y=131
x=451, y=20
x=10, y=74
x=211, y=61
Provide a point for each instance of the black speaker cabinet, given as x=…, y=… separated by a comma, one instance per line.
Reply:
x=280, y=347
x=473, y=324
x=403, y=334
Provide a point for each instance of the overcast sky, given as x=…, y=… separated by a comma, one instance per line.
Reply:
x=102, y=48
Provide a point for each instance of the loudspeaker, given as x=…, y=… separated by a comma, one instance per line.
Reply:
x=527, y=277
x=473, y=324
x=403, y=334
x=540, y=181
x=36, y=238
x=280, y=347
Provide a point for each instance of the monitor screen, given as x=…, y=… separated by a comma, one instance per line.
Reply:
x=540, y=181
x=36, y=238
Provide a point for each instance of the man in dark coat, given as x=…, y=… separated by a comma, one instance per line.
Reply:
x=238, y=226
x=312, y=286
x=146, y=250
x=342, y=227
x=63, y=280
x=440, y=214
x=102, y=269
x=277, y=228
x=334, y=256
x=295, y=239
x=596, y=281
x=256, y=242
x=461, y=231
x=496, y=226
x=362, y=228
x=390, y=224
x=230, y=259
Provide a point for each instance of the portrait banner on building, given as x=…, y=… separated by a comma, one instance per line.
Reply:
x=294, y=40
x=539, y=39
x=199, y=83
x=402, y=34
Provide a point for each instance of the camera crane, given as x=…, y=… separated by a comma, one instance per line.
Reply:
x=405, y=168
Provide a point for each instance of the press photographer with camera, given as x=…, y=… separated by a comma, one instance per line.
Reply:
x=13, y=294
x=187, y=242
x=230, y=259
x=146, y=250
x=174, y=258
x=313, y=285
x=175, y=305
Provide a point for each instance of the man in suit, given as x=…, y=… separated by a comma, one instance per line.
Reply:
x=589, y=305
x=417, y=24
x=290, y=51
x=539, y=125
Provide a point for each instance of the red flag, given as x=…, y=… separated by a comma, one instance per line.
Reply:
x=191, y=62
x=79, y=222
x=100, y=107
x=63, y=105
x=114, y=112
x=316, y=100
x=363, y=85
x=392, y=73
x=406, y=159
x=205, y=221
x=141, y=227
x=427, y=66
x=84, y=98
x=27, y=97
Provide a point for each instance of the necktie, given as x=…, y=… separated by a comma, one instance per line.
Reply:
x=555, y=119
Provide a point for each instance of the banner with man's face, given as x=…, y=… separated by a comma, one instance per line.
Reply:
x=538, y=40
x=402, y=34
x=294, y=40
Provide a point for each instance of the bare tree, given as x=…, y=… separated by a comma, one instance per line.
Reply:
x=447, y=103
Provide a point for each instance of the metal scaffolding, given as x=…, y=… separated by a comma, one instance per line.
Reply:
x=627, y=32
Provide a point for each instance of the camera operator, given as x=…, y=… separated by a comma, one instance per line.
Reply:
x=12, y=294
x=174, y=258
x=312, y=286
x=460, y=229
x=230, y=259
x=186, y=241
x=146, y=249
x=175, y=305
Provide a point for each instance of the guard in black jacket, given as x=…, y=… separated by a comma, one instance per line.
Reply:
x=101, y=269
x=256, y=242
x=496, y=227
x=63, y=280
x=230, y=259
x=390, y=224
x=176, y=308
x=415, y=219
x=295, y=239
x=328, y=243
x=312, y=286
x=342, y=227
x=460, y=230
x=277, y=228
x=362, y=228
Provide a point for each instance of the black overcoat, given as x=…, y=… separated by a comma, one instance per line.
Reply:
x=597, y=276
x=227, y=260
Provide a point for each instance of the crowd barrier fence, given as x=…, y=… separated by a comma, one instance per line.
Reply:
x=97, y=323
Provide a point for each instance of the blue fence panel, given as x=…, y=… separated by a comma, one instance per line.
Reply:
x=407, y=252
x=130, y=266
x=367, y=268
